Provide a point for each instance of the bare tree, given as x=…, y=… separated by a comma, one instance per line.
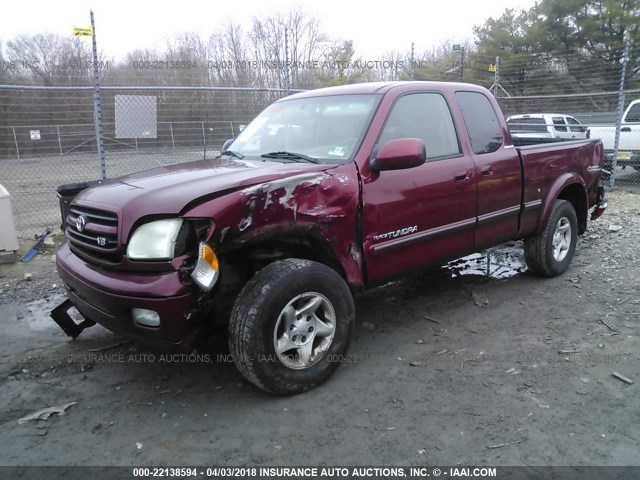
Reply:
x=51, y=59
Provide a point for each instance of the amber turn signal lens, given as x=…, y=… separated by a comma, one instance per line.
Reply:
x=208, y=255
x=206, y=272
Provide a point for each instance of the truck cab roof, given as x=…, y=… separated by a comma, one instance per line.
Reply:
x=381, y=88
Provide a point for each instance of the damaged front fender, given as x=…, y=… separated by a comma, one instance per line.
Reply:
x=319, y=206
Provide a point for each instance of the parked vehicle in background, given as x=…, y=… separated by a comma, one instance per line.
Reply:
x=629, y=145
x=326, y=193
x=538, y=126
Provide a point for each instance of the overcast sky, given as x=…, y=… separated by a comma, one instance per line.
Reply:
x=375, y=27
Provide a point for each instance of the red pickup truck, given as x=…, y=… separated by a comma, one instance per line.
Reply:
x=326, y=193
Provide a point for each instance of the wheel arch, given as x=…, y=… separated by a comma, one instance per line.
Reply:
x=272, y=246
x=572, y=189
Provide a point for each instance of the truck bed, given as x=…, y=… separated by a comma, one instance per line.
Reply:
x=529, y=141
x=546, y=170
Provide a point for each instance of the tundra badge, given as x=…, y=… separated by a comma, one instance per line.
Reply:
x=396, y=233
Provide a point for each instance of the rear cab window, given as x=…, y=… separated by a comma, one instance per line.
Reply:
x=485, y=131
x=527, y=125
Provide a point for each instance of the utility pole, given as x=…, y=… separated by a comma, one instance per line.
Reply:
x=459, y=48
x=496, y=79
x=620, y=112
x=97, y=102
x=412, y=66
x=287, y=71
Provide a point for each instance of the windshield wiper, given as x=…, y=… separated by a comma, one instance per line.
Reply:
x=231, y=153
x=290, y=156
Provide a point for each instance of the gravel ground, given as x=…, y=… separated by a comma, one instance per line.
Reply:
x=477, y=363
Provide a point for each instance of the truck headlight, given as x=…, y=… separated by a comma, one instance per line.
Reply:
x=206, y=272
x=154, y=240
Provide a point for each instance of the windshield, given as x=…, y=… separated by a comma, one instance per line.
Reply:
x=327, y=129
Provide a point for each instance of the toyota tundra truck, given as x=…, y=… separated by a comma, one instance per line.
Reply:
x=325, y=194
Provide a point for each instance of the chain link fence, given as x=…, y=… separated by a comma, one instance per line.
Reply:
x=48, y=136
x=598, y=112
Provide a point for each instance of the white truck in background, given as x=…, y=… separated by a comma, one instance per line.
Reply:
x=629, y=145
x=542, y=126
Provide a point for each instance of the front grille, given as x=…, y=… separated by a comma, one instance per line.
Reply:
x=98, y=238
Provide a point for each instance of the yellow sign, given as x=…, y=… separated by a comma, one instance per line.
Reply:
x=82, y=32
x=491, y=67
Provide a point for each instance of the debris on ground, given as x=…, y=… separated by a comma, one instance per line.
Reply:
x=28, y=277
x=432, y=319
x=609, y=325
x=615, y=228
x=625, y=379
x=415, y=363
x=500, y=445
x=37, y=247
x=45, y=413
x=479, y=298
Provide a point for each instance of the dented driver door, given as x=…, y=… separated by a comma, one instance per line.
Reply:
x=424, y=215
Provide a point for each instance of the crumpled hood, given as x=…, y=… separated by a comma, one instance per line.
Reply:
x=167, y=190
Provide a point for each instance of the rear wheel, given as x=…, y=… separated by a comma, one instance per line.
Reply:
x=550, y=252
x=290, y=325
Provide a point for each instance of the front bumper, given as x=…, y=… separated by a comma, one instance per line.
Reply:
x=107, y=297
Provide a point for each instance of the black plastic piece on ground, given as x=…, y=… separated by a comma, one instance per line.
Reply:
x=66, y=194
x=60, y=315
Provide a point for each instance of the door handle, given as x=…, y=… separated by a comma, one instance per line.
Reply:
x=486, y=170
x=625, y=129
x=461, y=175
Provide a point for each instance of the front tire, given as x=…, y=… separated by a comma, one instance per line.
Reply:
x=290, y=325
x=550, y=252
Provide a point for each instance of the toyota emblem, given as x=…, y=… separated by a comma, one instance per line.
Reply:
x=81, y=221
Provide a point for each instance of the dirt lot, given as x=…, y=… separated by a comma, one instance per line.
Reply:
x=450, y=367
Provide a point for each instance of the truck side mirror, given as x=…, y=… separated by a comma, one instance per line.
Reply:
x=226, y=144
x=399, y=154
